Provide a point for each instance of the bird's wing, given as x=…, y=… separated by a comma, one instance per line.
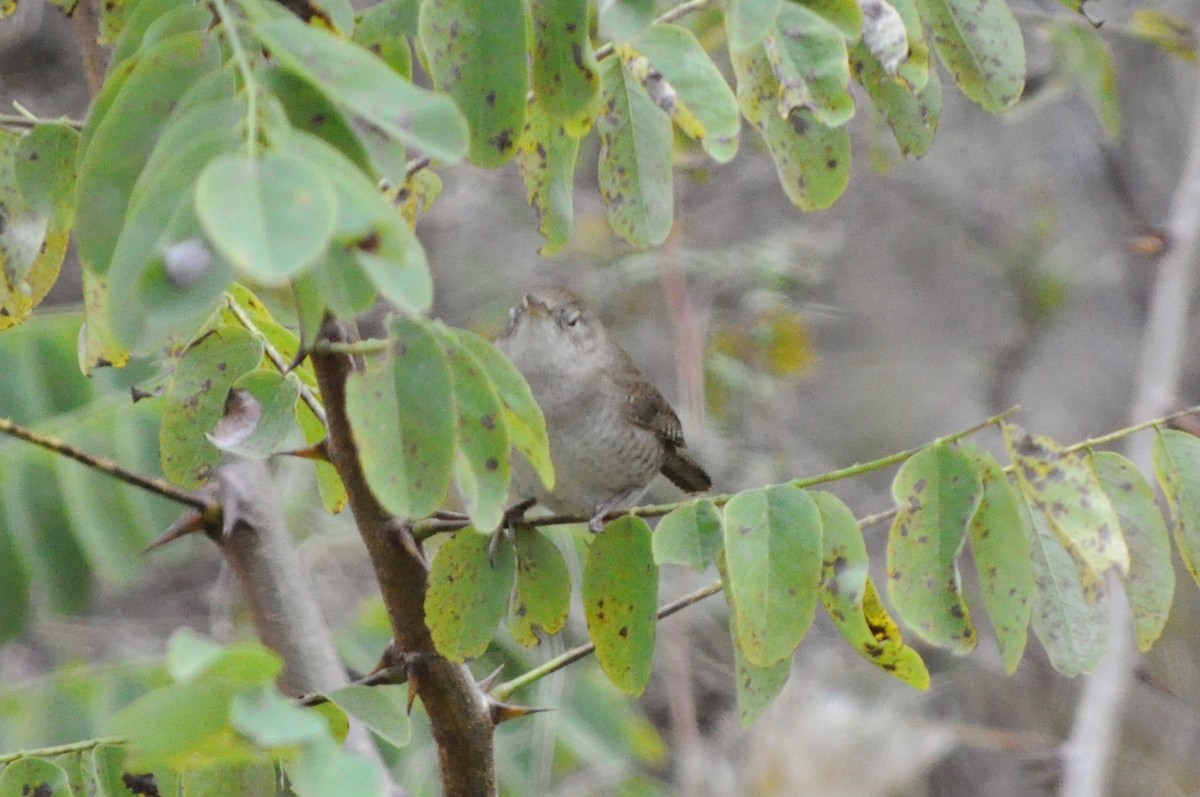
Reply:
x=644, y=405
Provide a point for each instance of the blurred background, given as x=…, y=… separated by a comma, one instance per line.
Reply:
x=1007, y=266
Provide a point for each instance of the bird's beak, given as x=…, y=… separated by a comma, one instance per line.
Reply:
x=532, y=306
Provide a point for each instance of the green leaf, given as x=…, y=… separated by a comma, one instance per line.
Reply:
x=526, y=424
x=403, y=421
x=621, y=20
x=259, y=415
x=546, y=156
x=14, y=584
x=104, y=772
x=45, y=170
x=1151, y=582
x=690, y=535
x=566, y=75
x=1064, y=488
x=1071, y=621
x=31, y=247
x=310, y=110
x=748, y=21
x=482, y=466
x=912, y=117
x=845, y=15
x=980, y=44
x=620, y=591
x=351, y=76
x=329, y=483
x=384, y=29
x=1083, y=55
x=635, y=160
x=757, y=687
x=918, y=67
x=269, y=720
x=808, y=57
x=271, y=215
x=467, y=594
x=1001, y=552
x=476, y=54
x=852, y=601
x=1177, y=466
x=1168, y=32
x=773, y=558
x=195, y=400
x=183, y=725
x=937, y=491
x=144, y=15
x=118, y=143
x=221, y=780
x=703, y=105
x=35, y=777
x=884, y=36
x=371, y=231
x=812, y=160
x=543, y=595
x=191, y=657
x=323, y=770
x=383, y=709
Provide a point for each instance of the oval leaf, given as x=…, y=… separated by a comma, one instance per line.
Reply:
x=1151, y=582
x=45, y=170
x=270, y=215
x=808, y=56
x=748, y=21
x=476, y=54
x=260, y=413
x=937, y=491
x=546, y=159
x=690, y=535
x=1177, y=466
x=403, y=421
x=851, y=600
x=1064, y=488
x=382, y=708
x=467, y=595
x=620, y=591
x=566, y=75
x=195, y=401
x=773, y=560
x=757, y=687
x=351, y=76
x=543, y=595
x=635, y=160
x=36, y=777
x=981, y=46
x=1001, y=552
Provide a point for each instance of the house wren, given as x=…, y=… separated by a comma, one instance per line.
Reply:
x=610, y=430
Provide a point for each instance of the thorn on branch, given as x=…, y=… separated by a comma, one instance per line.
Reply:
x=503, y=712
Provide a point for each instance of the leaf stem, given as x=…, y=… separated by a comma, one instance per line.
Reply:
x=229, y=23
x=23, y=121
x=107, y=466
x=368, y=346
x=1105, y=439
x=670, y=15
x=61, y=749
x=504, y=690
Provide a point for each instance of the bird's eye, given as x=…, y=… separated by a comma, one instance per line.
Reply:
x=571, y=318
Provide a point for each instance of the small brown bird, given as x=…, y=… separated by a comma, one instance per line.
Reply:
x=610, y=430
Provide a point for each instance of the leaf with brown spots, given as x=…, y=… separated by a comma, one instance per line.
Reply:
x=546, y=159
x=481, y=468
x=476, y=53
x=542, y=598
x=467, y=594
x=1063, y=487
x=913, y=116
x=636, y=180
x=1177, y=466
x=702, y=104
x=748, y=21
x=1150, y=585
x=690, y=535
x=620, y=594
x=260, y=414
x=1001, y=553
x=773, y=558
x=937, y=491
x=195, y=400
x=1070, y=622
x=566, y=75
x=853, y=603
x=808, y=57
x=526, y=424
x=402, y=415
x=30, y=776
x=757, y=687
x=980, y=44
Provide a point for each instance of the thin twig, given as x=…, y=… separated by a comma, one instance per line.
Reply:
x=275, y=357
x=61, y=749
x=107, y=466
x=22, y=121
x=504, y=690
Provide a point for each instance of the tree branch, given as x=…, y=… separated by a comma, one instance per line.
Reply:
x=457, y=708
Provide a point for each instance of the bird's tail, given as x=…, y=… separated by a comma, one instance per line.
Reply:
x=684, y=472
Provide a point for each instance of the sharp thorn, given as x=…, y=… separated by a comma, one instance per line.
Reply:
x=487, y=683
